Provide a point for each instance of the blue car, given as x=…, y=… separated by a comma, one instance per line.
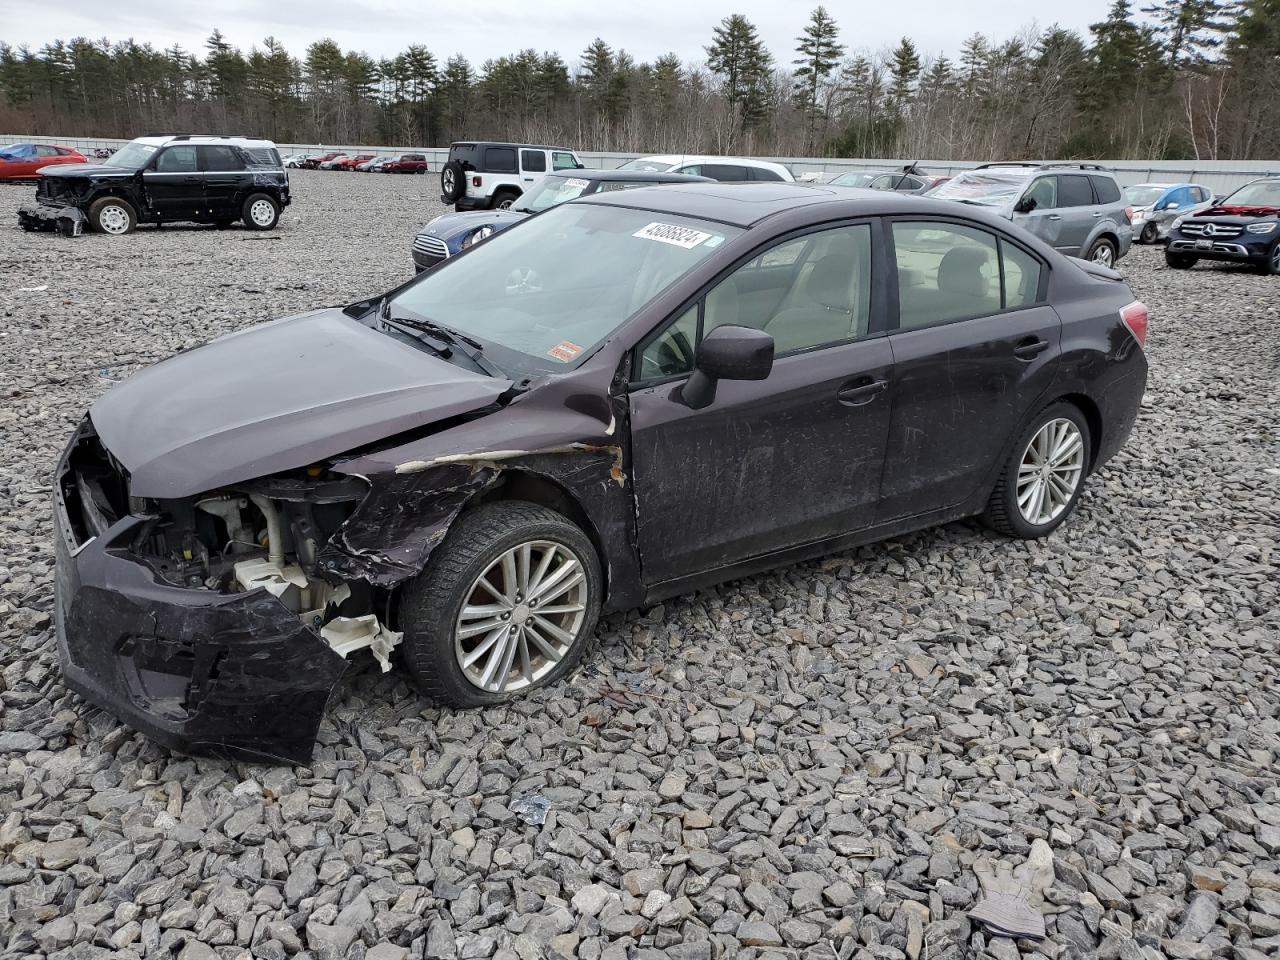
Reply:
x=1157, y=205
x=448, y=235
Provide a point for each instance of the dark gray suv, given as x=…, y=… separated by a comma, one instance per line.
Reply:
x=1076, y=208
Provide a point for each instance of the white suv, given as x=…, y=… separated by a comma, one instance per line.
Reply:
x=492, y=176
x=724, y=169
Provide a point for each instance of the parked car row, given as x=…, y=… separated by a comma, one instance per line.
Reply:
x=361, y=162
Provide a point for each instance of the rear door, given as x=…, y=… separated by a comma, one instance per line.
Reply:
x=225, y=179
x=975, y=350
x=533, y=164
x=173, y=184
x=1080, y=212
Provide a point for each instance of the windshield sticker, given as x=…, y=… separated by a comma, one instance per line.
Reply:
x=564, y=351
x=678, y=236
x=577, y=183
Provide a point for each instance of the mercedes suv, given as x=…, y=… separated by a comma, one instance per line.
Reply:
x=1243, y=228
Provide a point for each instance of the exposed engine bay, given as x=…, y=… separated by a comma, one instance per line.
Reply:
x=260, y=535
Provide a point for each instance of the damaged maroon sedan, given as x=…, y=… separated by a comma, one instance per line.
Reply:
x=624, y=398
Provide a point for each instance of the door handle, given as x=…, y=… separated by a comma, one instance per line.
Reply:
x=1030, y=348
x=1096, y=214
x=191, y=179
x=1055, y=216
x=861, y=391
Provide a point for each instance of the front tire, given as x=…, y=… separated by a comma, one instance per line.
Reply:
x=1271, y=266
x=1149, y=233
x=1041, y=482
x=260, y=212
x=1180, y=261
x=506, y=605
x=112, y=216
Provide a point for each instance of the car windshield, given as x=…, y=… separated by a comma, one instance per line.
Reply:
x=542, y=295
x=18, y=150
x=1262, y=193
x=650, y=166
x=132, y=156
x=1142, y=196
x=983, y=186
x=854, y=179
x=551, y=192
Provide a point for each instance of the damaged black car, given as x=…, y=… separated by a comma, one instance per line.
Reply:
x=625, y=398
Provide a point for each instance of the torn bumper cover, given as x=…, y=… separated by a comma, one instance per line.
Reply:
x=67, y=220
x=236, y=675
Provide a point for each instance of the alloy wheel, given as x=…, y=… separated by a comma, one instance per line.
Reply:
x=1275, y=258
x=262, y=212
x=114, y=219
x=448, y=181
x=1103, y=255
x=1049, y=472
x=521, y=616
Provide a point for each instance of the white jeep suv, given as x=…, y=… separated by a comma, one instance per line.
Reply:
x=492, y=176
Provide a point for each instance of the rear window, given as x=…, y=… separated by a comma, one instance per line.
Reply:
x=220, y=158
x=763, y=173
x=534, y=161
x=500, y=160
x=1106, y=189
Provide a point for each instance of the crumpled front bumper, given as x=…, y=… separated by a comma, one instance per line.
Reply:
x=235, y=675
x=66, y=220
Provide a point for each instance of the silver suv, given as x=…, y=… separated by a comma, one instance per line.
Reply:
x=1075, y=207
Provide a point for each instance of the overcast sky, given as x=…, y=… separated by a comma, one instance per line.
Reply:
x=481, y=29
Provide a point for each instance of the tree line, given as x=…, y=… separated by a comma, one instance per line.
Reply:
x=1176, y=79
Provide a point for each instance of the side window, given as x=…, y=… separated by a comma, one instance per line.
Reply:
x=1106, y=189
x=500, y=160
x=563, y=160
x=908, y=184
x=725, y=172
x=1202, y=194
x=176, y=160
x=670, y=353
x=693, y=170
x=765, y=174
x=1074, y=191
x=1044, y=192
x=220, y=157
x=43, y=151
x=605, y=186
x=1021, y=276
x=945, y=272
x=806, y=292
x=533, y=161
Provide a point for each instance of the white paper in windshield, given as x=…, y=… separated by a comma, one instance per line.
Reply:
x=671, y=233
x=577, y=183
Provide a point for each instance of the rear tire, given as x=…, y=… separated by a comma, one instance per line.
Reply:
x=260, y=212
x=1180, y=261
x=503, y=199
x=112, y=216
x=432, y=605
x=1103, y=252
x=1050, y=455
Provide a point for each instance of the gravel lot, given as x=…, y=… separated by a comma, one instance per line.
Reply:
x=802, y=764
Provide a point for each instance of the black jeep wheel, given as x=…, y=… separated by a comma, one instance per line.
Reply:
x=453, y=182
x=503, y=199
x=112, y=215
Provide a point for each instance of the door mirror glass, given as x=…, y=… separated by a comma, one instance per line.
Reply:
x=1171, y=206
x=1025, y=205
x=728, y=352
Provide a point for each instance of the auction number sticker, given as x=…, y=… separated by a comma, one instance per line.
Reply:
x=576, y=183
x=564, y=351
x=671, y=233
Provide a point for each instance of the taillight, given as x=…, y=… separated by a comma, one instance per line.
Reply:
x=1135, y=318
x=475, y=181
x=1128, y=214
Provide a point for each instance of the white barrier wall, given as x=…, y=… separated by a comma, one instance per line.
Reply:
x=1221, y=176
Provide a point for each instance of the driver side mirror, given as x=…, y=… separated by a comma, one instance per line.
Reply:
x=728, y=352
x=1171, y=206
x=1025, y=205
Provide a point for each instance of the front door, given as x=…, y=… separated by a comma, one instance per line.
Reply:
x=1044, y=218
x=173, y=184
x=789, y=460
x=224, y=169
x=972, y=358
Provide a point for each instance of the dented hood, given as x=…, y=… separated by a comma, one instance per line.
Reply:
x=276, y=397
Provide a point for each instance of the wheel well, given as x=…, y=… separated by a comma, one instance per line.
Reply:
x=1115, y=241
x=542, y=490
x=1093, y=416
x=507, y=188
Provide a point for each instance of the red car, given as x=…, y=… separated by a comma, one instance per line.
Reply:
x=20, y=161
x=349, y=163
x=312, y=163
x=406, y=163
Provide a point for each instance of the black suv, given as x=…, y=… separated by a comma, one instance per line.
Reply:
x=492, y=176
x=205, y=179
x=1243, y=228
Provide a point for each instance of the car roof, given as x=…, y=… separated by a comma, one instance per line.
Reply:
x=631, y=176
x=746, y=204
x=506, y=143
x=674, y=158
x=255, y=142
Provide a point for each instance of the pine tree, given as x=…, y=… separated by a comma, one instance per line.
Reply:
x=739, y=58
x=904, y=70
x=1190, y=29
x=594, y=74
x=820, y=51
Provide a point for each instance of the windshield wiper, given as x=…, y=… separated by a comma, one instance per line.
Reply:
x=448, y=340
